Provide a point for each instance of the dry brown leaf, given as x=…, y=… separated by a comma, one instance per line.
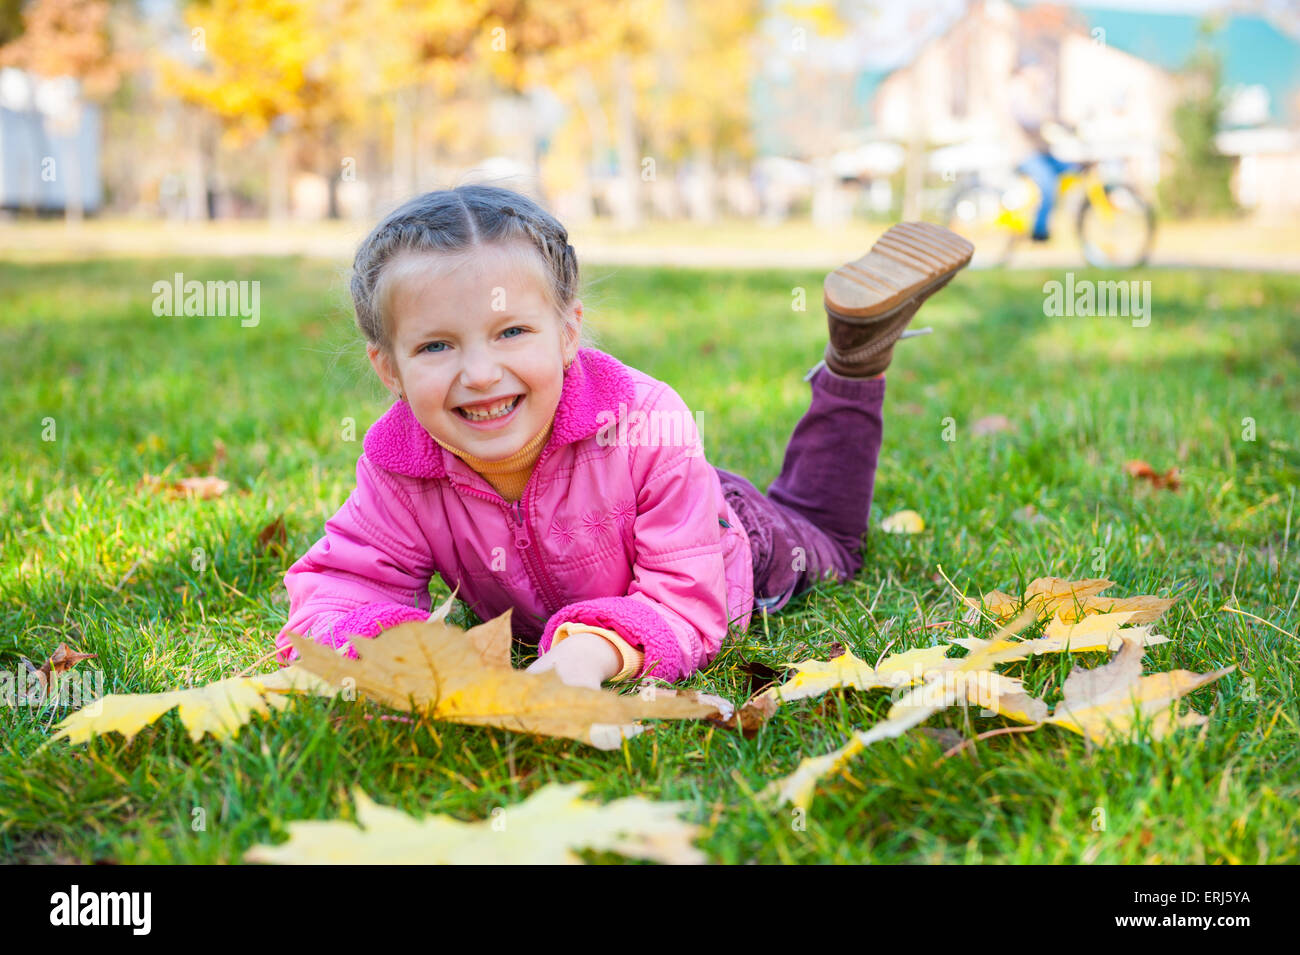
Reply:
x=63, y=659
x=203, y=487
x=273, y=536
x=1140, y=470
x=751, y=717
x=432, y=667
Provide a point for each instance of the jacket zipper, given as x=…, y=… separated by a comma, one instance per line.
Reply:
x=539, y=575
x=536, y=571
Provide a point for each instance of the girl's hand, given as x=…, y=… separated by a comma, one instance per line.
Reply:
x=584, y=659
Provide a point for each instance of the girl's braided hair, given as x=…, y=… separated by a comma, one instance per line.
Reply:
x=455, y=222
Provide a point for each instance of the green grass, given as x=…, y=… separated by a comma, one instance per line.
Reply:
x=88, y=558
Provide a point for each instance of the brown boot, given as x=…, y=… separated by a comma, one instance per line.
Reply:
x=869, y=302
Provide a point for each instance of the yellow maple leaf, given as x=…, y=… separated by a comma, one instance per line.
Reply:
x=1105, y=704
x=544, y=829
x=990, y=690
x=219, y=708
x=815, y=677
x=1097, y=632
x=1144, y=608
x=947, y=682
x=463, y=677
x=1071, y=601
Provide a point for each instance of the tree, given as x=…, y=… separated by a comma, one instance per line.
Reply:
x=67, y=38
x=1200, y=181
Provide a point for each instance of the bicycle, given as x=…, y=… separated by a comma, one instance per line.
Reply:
x=1115, y=225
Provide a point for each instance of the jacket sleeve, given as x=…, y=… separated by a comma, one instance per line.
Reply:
x=369, y=572
x=675, y=610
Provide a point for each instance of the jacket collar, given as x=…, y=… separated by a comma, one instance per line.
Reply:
x=594, y=383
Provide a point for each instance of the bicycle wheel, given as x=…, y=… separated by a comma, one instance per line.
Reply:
x=1118, y=237
x=976, y=213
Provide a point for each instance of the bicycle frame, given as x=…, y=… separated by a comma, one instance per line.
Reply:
x=1018, y=220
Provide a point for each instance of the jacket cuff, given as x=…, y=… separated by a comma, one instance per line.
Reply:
x=369, y=621
x=632, y=658
x=636, y=622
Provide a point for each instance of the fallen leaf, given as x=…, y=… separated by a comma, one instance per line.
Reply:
x=204, y=487
x=437, y=669
x=1050, y=593
x=63, y=659
x=488, y=639
x=221, y=708
x=544, y=829
x=759, y=674
x=1071, y=600
x=1097, y=632
x=1144, y=608
x=903, y=522
x=912, y=709
x=273, y=536
x=1140, y=470
x=751, y=717
x=1001, y=605
x=992, y=691
x=815, y=677
x=1104, y=704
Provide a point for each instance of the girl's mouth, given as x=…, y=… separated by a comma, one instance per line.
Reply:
x=483, y=420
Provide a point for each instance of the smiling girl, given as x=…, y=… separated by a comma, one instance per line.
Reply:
x=507, y=465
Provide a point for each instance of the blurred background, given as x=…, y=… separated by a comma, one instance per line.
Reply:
x=665, y=131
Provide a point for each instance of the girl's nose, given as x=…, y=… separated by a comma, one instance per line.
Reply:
x=480, y=369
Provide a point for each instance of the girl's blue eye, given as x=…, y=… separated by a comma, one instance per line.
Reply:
x=513, y=328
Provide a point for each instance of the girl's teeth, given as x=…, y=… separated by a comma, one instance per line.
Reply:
x=498, y=411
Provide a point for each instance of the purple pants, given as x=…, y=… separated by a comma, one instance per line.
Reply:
x=809, y=525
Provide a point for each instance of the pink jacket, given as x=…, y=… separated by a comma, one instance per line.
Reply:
x=616, y=527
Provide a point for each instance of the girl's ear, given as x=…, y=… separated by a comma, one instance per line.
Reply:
x=383, y=365
x=572, y=332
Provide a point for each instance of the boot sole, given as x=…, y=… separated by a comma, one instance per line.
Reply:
x=911, y=259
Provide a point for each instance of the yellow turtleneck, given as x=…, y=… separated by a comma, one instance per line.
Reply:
x=509, y=476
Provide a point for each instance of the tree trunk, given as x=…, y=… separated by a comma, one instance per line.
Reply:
x=704, y=187
x=278, y=184
x=628, y=212
x=196, y=187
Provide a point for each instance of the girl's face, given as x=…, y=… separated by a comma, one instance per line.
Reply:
x=466, y=338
